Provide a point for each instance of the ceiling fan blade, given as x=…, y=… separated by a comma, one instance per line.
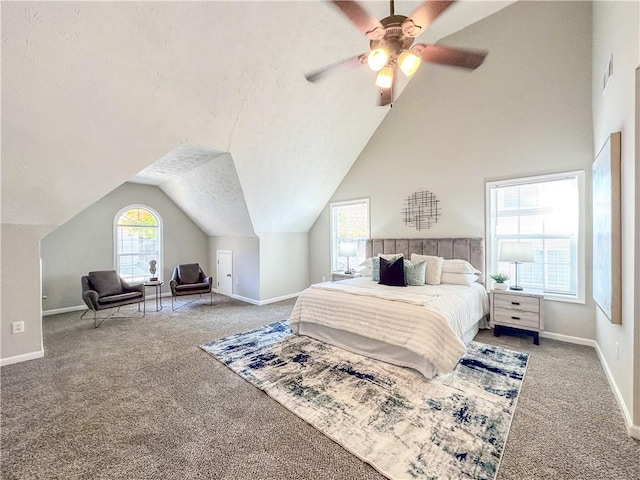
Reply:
x=340, y=66
x=423, y=16
x=366, y=23
x=449, y=56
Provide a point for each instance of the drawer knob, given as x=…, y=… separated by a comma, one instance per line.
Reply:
x=516, y=318
x=515, y=303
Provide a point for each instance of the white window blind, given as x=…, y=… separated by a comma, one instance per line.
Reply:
x=545, y=211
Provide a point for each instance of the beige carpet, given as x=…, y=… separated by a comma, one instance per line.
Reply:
x=137, y=399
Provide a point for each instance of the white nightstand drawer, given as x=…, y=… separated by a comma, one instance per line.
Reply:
x=516, y=318
x=517, y=302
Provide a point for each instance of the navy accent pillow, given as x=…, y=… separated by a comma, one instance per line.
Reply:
x=392, y=273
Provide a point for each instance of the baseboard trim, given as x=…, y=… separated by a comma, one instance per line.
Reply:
x=56, y=311
x=632, y=429
x=264, y=302
x=569, y=339
x=245, y=299
x=21, y=358
x=278, y=299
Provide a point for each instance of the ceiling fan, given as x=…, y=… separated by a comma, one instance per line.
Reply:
x=391, y=45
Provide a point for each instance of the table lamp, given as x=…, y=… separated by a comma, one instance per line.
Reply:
x=516, y=252
x=347, y=250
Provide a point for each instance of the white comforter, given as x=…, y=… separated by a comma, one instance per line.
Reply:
x=427, y=320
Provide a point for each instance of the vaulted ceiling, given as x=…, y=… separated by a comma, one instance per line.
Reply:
x=208, y=100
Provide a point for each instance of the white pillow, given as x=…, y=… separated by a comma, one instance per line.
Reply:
x=458, y=266
x=387, y=256
x=368, y=263
x=459, y=278
x=434, y=267
x=364, y=271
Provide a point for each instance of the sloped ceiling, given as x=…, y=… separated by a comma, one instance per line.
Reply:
x=93, y=93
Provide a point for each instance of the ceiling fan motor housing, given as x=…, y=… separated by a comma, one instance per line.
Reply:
x=394, y=39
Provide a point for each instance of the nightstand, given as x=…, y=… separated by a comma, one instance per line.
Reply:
x=335, y=276
x=521, y=309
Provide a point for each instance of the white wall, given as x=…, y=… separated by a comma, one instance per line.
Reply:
x=284, y=264
x=246, y=263
x=85, y=243
x=616, y=31
x=525, y=111
x=20, y=296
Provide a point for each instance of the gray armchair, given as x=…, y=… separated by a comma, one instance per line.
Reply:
x=189, y=279
x=105, y=289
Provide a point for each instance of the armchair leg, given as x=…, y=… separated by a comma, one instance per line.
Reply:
x=95, y=319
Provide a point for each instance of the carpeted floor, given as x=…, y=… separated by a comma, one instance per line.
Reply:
x=138, y=399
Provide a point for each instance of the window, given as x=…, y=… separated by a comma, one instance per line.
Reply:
x=547, y=211
x=138, y=233
x=349, y=228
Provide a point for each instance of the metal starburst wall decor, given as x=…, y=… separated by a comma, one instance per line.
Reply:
x=421, y=210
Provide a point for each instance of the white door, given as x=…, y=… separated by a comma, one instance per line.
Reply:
x=225, y=272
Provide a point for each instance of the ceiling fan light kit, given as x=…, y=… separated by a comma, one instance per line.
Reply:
x=385, y=77
x=408, y=63
x=391, y=45
x=378, y=58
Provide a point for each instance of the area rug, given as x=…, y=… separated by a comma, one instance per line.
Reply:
x=451, y=427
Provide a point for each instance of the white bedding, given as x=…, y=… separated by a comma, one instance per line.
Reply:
x=429, y=321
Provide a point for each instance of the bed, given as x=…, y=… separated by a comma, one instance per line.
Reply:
x=421, y=327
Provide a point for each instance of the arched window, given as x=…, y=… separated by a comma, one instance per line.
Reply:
x=138, y=234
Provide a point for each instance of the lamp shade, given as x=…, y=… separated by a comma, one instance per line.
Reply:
x=385, y=78
x=516, y=252
x=347, y=249
x=408, y=63
x=378, y=58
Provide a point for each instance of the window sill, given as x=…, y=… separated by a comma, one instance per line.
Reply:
x=549, y=297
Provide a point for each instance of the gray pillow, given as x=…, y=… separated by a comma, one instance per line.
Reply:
x=415, y=273
x=189, y=273
x=106, y=282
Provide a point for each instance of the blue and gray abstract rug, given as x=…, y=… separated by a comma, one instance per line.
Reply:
x=452, y=427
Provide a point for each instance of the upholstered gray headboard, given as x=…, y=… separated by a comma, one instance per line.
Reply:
x=469, y=249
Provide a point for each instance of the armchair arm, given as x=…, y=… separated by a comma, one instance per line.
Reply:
x=132, y=287
x=173, y=284
x=90, y=297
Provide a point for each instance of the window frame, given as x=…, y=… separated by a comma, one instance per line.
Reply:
x=160, y=253
x=332, y=242
x=580, y=295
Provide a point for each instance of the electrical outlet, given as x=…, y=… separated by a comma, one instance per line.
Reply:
x=237, y=281
x=617, y=351
x=17, y=327
x=324, y=279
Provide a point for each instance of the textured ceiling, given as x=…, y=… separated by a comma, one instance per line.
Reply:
x=94, y=93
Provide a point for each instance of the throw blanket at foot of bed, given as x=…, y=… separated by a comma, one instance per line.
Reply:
x=453, y=426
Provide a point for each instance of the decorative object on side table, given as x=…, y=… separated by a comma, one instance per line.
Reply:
x=499, y=278
x=516, y=252
x=520, y=310
x=152, y=271
x=347, y=249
